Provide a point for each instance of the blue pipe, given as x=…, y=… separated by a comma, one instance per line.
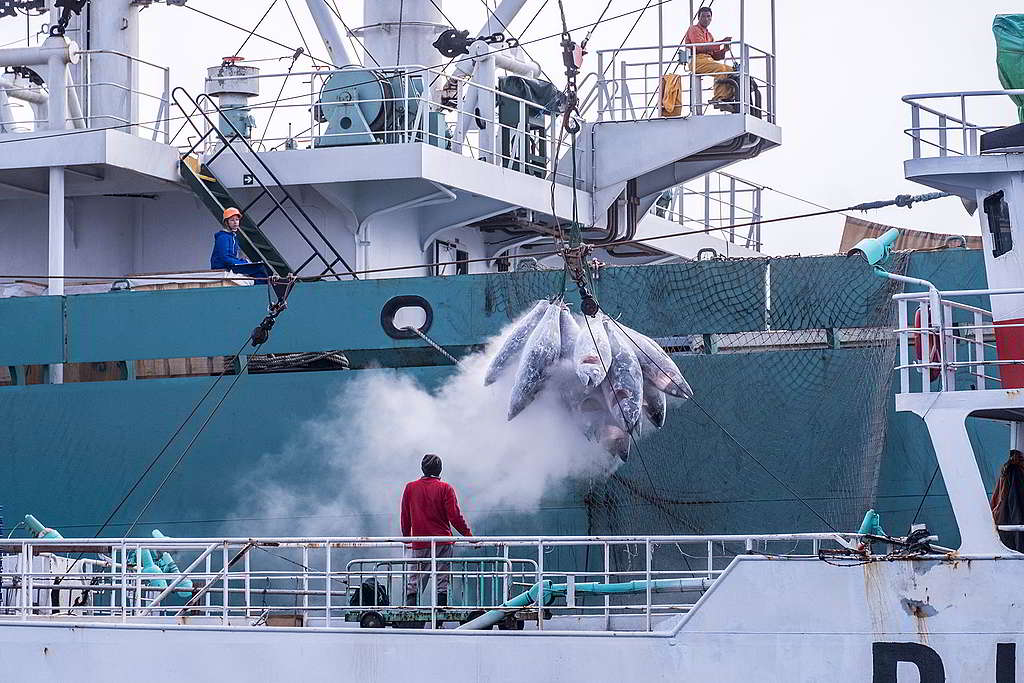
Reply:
x=546, y=589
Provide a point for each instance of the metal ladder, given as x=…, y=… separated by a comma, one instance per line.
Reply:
x=204, y=183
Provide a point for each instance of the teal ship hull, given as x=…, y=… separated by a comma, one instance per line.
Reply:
x=786, y=431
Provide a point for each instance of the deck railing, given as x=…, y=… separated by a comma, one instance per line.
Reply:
x=293, y=117
x=334, y=582
x=716, y=202
x=951, y=123
x=941, y=337
x=629, y=82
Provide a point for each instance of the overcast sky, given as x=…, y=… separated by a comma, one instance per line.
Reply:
x=842, y=69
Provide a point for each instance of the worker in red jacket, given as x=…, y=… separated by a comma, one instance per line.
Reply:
x=430, y=508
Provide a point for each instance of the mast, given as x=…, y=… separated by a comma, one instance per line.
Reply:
x=325, y=23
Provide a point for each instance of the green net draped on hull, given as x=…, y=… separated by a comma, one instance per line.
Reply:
x=790, y=360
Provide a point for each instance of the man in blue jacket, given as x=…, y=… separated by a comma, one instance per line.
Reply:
x=226, y=254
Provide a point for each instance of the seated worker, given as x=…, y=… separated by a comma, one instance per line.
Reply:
x=708, y=56
x=226, y=255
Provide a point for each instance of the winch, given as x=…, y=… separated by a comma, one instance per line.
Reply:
x=367, y=106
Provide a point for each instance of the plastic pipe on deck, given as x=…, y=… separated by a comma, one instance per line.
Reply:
x=546, y=588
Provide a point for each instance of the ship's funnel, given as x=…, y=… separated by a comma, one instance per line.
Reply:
x=876, y=249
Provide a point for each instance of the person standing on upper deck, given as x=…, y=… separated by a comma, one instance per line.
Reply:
x=430, y=508
x=708, y=57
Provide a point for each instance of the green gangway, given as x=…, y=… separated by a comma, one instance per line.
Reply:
x=205, y=185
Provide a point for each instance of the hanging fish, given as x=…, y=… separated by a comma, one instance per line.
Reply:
x=569, y=331
x=657, y=366
x=539, y=354
x=592, y=353
x=514, y=342
x=655, y=405
x=625, y=376
x=612, y=433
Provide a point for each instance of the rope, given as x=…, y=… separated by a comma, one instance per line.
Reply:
x=353, y=39
x=298, y=28
x=254, y=28
x=925, y=496
x=508, y=32
x=391, y=269
x=191, y=443
x=437, y=347
x=586, y=38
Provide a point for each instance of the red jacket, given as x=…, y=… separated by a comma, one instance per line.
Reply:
x=429, y=506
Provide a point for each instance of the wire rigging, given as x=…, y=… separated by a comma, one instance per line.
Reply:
x=291, y=50
x=250, y=34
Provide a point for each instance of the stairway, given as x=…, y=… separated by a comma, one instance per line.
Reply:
x=214, y=195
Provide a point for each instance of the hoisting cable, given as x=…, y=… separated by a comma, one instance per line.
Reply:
x=254, y=28
x=266, y=129
x=516, y=41
x=281, y=287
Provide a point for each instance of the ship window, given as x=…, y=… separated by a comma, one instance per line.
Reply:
x=998, y=213
x=445, y=253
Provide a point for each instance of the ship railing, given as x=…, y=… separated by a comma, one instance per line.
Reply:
x=631, y=82
x=146, y=102
x=947, y=344
x=716, y=201
x=347, y=582
x=295, y=118
x=941, y=123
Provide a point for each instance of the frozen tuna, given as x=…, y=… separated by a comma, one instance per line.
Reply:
x=625, y=376
x=514, y=342
x=612, y=433
x=569, y=330
x=655, y=405
x=592, y=353
x=539, y=355
x=657, y=366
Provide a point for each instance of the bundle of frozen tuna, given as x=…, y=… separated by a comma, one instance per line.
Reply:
x=608, y=375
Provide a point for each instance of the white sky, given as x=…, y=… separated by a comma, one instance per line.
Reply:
x=842, y=68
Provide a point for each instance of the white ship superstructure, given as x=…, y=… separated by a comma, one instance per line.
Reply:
x=375, y=170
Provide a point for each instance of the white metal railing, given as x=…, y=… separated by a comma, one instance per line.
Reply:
x=146, y=107
x=716, y=201
x=941, y=123
x=333, y=582
x=290, y=120
x=940, y=337
x=629, y=82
